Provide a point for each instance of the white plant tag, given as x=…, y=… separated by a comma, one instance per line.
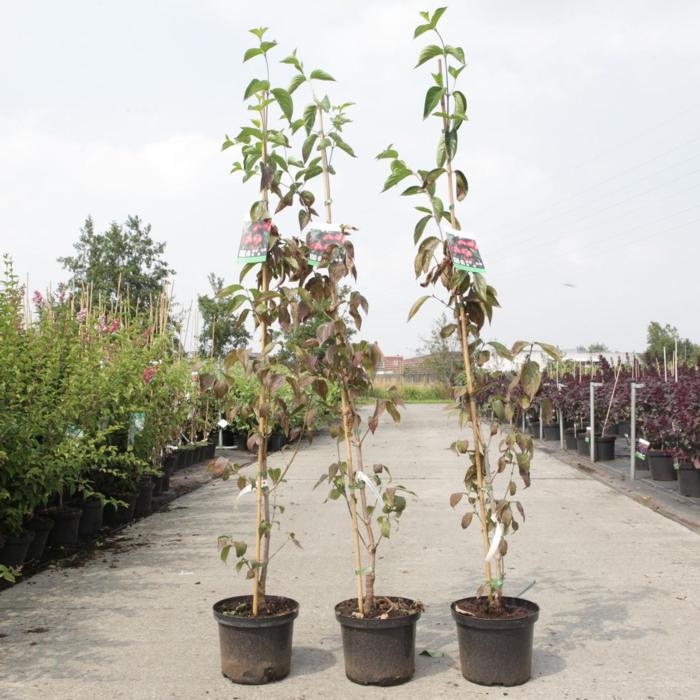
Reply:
x=222, y=423
x=497, y=537
x=361, y=476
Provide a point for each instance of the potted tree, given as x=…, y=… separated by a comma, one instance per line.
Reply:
x=378, y=631
x=255, y=631
x=495, y=631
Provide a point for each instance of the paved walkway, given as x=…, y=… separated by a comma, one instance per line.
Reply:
x=619, y=588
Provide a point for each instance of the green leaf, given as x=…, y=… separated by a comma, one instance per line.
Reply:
x=310, y=117
x=448, y=330
x=432, y=99
x=451, y=142
x=430, y=51
x=308, y=145
x=241, y=548
x=551, y=350
x=460, y=106
x=384, y=525
x=396, y=177
x=295, y=82
x=388, y=152
x=415, y=308
x=319, y=74
x=461, y=184
x=530, y=378
x=251, y=53
x=342, y=145
x=258, y=32
x=255, y=86
x=501, y=349
x=436, y=16
x=284, y=100
x=420, y=227
x=457, y=52
x=421, y=29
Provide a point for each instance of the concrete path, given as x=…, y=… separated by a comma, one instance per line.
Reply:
x=619, y=588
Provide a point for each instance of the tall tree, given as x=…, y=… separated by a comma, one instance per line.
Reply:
x=660, y=337
x=219, y=326
x=123, y=259
x=443, y=358
x=593, y=348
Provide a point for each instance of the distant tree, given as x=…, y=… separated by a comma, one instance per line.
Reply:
x=593, y=348
x=442, y=356
x=218, y=325
x=123, y=258
x=660, y=337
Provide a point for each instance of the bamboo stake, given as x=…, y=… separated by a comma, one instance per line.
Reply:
x=348, y=413
x=665, y=366
x=464, y=339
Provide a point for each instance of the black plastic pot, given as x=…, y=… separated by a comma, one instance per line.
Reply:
x=276, y=441
x=157, y=484
x=14, y=553
x=121, y=515
x=255, y=650
x=604, y=448
x=533, y=428
x=688, y=480
x=41, y=527
x=570, y=440
x=211, y=450
x=178, y=459
x=66, y=522
x=165, y=479
x=189, y=457
x=495, y=651
x=551, y=432
x=661, y=465
x=144, y=500
x=379, y=652
x=624, y=428
x=93, y=516
x=584, y=449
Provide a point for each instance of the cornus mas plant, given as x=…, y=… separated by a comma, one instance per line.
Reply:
x=470, y=300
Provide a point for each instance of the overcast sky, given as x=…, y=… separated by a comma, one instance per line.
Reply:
x=582, y=150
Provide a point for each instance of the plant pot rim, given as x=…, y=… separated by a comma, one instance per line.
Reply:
x=605, y=438
x=495, y=623
x=254, y=622
x=40, y=522
x=25, y=535
x=376, y=623
x=65, y=512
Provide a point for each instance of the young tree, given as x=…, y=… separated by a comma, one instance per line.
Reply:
x=221, y=332
x=124, y=261
x=660, y=337
x=443, y=357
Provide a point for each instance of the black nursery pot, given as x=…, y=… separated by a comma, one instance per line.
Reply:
x=496, y=651
x=584, y=449
x=604, y=448
x=533, y=428
x=276, y=441
x=379, y=652
x=570, y=440
x=66, y=523
x=14, y=553
x=255, y=650
x=661, y=465
x=93, y=516
x=144, y=499
x=688, y=480
x=121, y=515
x=551, y=432
x=41, y=527
x=157, y=485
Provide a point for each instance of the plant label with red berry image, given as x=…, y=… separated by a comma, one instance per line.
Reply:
x=465, y=252
x=320, y=239
x=254, y=241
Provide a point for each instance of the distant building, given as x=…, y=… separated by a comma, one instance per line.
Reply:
x=390, y=365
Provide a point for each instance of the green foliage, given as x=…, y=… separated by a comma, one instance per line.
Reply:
x=666, y=337
x=221, y=332
x=122, y=261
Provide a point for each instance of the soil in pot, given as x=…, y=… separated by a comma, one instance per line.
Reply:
x=14, y=553
x=380, y=651
x=121, y=515
x=604, y=448
x=41, y=528
x=688, y=480
x=495, y=650
x=255, y=650
x=570, y=440
x=582, y=445
x=93, y=516
x=144, y=500
x=661, y=465
x=66, y=522
x=551, y=432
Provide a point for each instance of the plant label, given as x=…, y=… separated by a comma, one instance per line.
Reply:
x=642, y=449
x=254, y=241
x=137, y=422
x=320, y=239
x=465, y=252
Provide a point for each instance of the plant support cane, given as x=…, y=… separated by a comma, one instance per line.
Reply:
x=495, y=631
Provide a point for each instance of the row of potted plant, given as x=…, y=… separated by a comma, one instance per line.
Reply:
x=292, y=275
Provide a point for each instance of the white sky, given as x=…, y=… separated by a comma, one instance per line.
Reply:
x=582, y=150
